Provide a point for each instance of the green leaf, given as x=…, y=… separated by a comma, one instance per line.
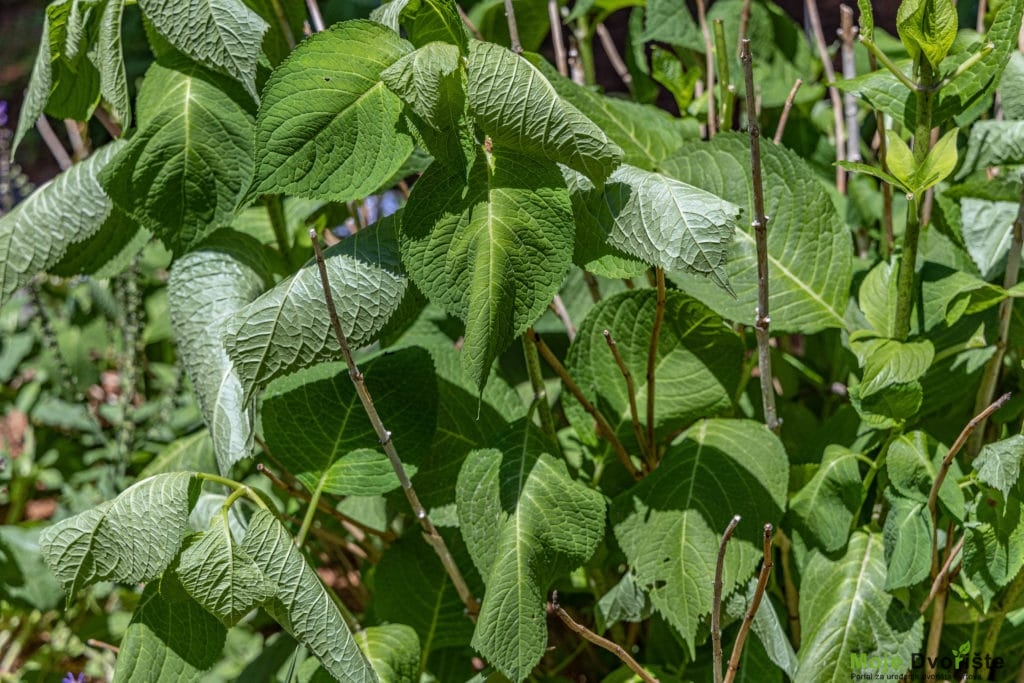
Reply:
x=899, y=158
x=74, y=90
x=670, y=524
x=493, y=253
x=171, y=637
x=518, y=108
x=301, y=604
x=130, y=539
x=108, y=252
x=825, y=506
x=696, y=372
x=413, y=588
x=206, y=287
x=626, y=601
x=25, y=580
x=288, y=328
x=327, y=126
x=994, y=544
x=525, y=522
x=334, y=447
x=913, y=462
x=998, y=463
x=845, y=610
x=393, y=651
x=887, y=362
x=425, y=21
x=190, y=129
x=221, y=577
x=666, y=223
x=927, y=27
x=108, y=58
x=809, y=256
x=939, y=163
x=224, y=35
x=993, y=143
x=37, y=233
x=1011, y=88
x=768, y=628
x=645, y=133
x=670, y=22
x=873, y=171
x=193, y=453
x=907, y=533
x=948, y=294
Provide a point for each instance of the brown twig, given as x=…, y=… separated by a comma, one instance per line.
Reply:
x=99, y=644
x=716, y=600
x=941, y=581
x=316, y=20
x=468, y=23
x=848, y=38
x=513, y=29
x=933, y=495
x=613, y=55
x=592, y=637
x=603, y=427
x=638, y=432
x=557, y=39
x=762, y=320
x=111, y=126
x=652, y=359
x=784, y=116
x=811, y=12
x=592, y=286
x=78, y=146
x=557, y=307
x=748, y=618
x=384, y=437
x=53, y=143
x=744, y=24
x=709, y=67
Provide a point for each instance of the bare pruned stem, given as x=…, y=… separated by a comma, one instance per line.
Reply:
x=592, y=637
x=848, y=37
x=384, y=436
x=748, y=617
x=709, y=67
x=638, y=432
x=557, y=307
x=603, y=427
x=468, y=23
x=811, y=12
x=941, y=581
x=592, y=286
x=727, y=90
x=53, y=143
x=762, y=320
x=513, y=28
x=316, y=20
x=784, y=116
x=652, y=358
x=557, y=39
x=990, y=378
x=613, y=55
x=744, y=23
x=716, y=599
x=540, y=393
x=933, y=495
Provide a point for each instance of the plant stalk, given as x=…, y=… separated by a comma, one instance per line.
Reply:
x=813, y=18
x=762, y=319
x=652, y=359
x=784, y=116
x=275, y=211
x=727, y=90
x=716, y=600
x=709, y=68
x=540, y=393
x=384, y=436
x=748, y=617
x=592, y=637
x=638, y=432
x=557, y=39
x=513, y=28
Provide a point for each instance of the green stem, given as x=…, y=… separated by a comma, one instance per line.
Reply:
x=890, y=65
x=234, y=486
x=726, y=89
x=540, y=394
x=585, y=45
x=925, y=95
x=275, y=210
x=307, y=520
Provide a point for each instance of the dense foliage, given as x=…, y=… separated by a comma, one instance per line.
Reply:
x=580, y=387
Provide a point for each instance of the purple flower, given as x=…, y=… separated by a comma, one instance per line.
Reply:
x=73, y=678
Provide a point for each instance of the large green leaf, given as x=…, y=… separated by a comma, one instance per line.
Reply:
x=38, y=232
x=301, y=604
x=493, y=253
x=132, y=538
x=517, y=107
x=183, y=173
x=912, y=463
x=670, y=524
x=992, y=143
x=809, y=255
x=220, y=577
x=825, y=506
x=998, y=463
x=321, y=449
x=288, y=328
x=664, y=222
x=206, y=287
x=907, y=534
x=845, y=611
x=994, y=543
x=425, y=21
x=696, y=372
x=393, y=650
x=525, y=522
x=224, y=35
x=927, y=28
x=670, y=22
x=171, y=638
x=108, y=58
x=327, y=126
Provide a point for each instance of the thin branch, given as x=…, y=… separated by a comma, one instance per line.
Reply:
x=112, y=127
x=652, y=359
x=557, y=307
x=282, y=21
x=540, y=393
x=316, y=20
x=748, y=618
x=784, y=116
x=811, y=11
x=384, y=436
x=613, y=55
x=78, y=145
x=744, y=24
x=848, y=37
x=53, y=143
x=513, y=29
x=603, y=427
x=557, y=39
x=592, y=637
x=727, y=90
x=592, y=286
x=933, y=495
x=709, y=67
x=980, y=23
x=638, y=432
x=716, y=600
x=990, y=377
x=762, y=320
x=941, y=581
x=468, y=23
x=883, y=58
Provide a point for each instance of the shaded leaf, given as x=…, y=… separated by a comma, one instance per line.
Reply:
x=998, y=464
x=393, y=651
x=907, y=534
x=912, y=463
x=108, y=58
x=993, y=544
x=825, y=506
